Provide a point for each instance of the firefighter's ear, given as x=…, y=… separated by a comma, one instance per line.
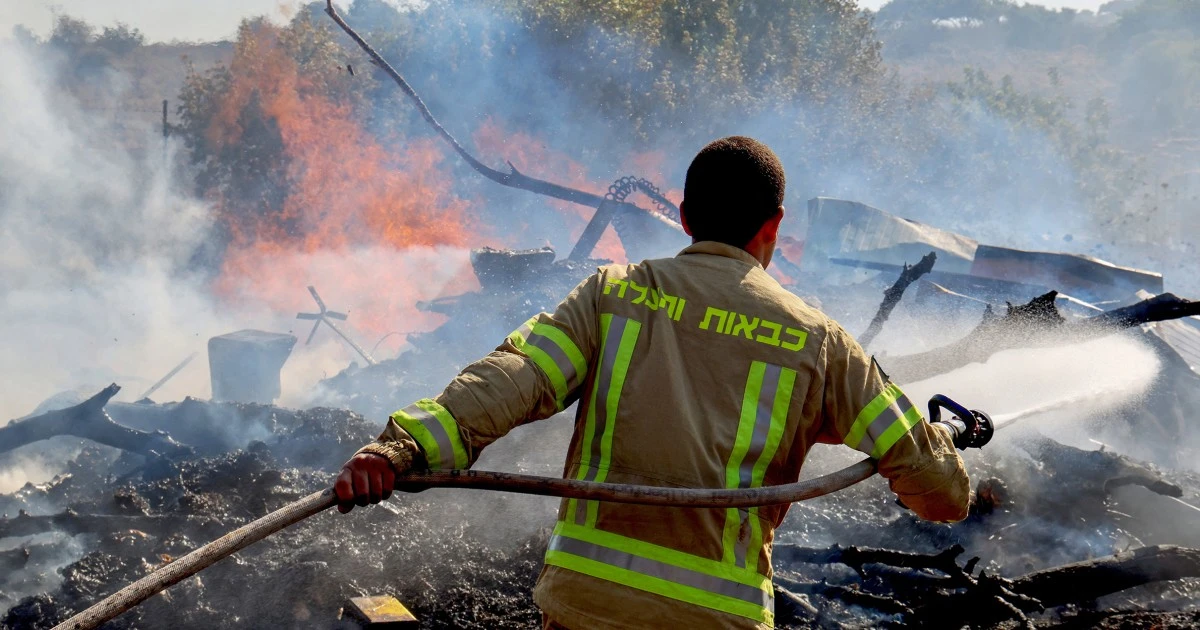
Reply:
x=771, y=227
x=683, y=220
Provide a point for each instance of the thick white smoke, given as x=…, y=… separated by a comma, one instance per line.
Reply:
x=95, y=283
x=92, y=245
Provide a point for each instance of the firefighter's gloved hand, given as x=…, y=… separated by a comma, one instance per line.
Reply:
x=370, y=476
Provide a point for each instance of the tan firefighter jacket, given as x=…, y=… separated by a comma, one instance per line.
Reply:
x=698, y=371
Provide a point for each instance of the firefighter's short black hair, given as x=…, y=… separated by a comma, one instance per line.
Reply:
x=733, y=186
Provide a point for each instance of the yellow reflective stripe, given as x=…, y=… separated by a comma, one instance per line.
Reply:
x=660, y=586
x=589, y=427
x=666, y=555
x=436, y=431
x=661, y=570
x=779, y=411
x=560, y=339
x=765, y=405
x=741, y=444
x=897, y=430
x=553, y=351
x=870, y=413
x=619, y=336
x=620, y=369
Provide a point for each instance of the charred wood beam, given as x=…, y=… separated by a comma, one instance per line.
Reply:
x=962, y=598
x=858, y=557
x=513, y=178
x=73, y=523
x=847, y=594
x=90, y=421
x=985, y=598
x=1037, y=323
x=1088, y=580
x=14, y=559
x=1092, y=475
x=31, y=556
x=892, y=296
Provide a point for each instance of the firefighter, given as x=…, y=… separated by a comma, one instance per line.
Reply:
x=698, y=371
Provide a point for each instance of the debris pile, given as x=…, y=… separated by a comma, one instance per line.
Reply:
x=1058, y=535
x=469, y=559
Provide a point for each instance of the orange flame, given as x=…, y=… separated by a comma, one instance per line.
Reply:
x=375, y=225
x=532, y=156
x=346, y=194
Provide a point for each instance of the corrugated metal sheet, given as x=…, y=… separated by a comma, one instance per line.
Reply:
x=1089, y=278
x=1183, y=335
x=848, y=229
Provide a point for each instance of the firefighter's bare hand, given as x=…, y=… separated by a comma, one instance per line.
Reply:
x=367, y=478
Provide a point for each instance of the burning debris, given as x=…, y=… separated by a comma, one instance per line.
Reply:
x=1058, y=534
x=1046, y=539
x=136, y=512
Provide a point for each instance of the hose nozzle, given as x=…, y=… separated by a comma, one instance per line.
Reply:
x=970, y=428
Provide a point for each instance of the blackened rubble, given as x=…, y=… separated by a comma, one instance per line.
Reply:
x=469, y=560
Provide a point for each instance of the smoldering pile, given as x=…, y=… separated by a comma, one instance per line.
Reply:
x=469, y=560
x=1061, y=534
x=114, y=516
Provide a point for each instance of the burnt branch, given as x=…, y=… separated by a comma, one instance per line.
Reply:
x=72, y=523
x=1037, y=323
x=857, y=557
x=1085, y=581
x=513, y=178
x=928, y=600
x=892, y=296
x=88, y=420
x=850, y=595
x=14, y=559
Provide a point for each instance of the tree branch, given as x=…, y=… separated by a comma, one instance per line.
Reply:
x=88, y=420
x=1088, y=580
x=1037, y=323
x=513, y=178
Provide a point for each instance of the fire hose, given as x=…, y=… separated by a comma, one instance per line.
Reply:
x=246, y=535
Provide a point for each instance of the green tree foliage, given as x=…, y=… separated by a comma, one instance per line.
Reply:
x=598, y=80
x=1150, y=16
x=929, y=10
x=71, y=35
x=120, y=39
x=647, y=64
x=85, y=53
x=701, y=60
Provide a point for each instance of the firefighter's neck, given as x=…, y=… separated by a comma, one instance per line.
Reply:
x=762, y=246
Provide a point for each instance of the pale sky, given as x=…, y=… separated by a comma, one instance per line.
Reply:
x=207, y=20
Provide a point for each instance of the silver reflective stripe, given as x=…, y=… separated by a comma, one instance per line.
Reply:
x=762, y=424
x=758, y=441
x=612, y=343
x=435, y=428
x=556, y=354
x=886, y=418
x=663, y=571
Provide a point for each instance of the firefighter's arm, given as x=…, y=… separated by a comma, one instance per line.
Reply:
x=866, y=412
x=535, y=373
